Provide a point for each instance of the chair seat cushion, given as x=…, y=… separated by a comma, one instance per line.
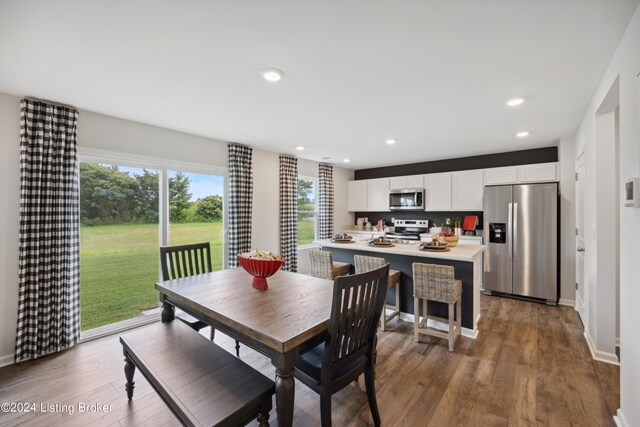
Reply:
x=310, y=363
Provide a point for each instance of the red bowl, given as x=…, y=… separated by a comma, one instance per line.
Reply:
x=260, y=269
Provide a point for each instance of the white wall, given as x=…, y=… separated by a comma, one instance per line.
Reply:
x=99, y=132
x=567, y=161
x=9, y=223
x=624, y=66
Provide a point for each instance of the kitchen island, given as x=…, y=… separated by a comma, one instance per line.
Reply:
x=465, y=258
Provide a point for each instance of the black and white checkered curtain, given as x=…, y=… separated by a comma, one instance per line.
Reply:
x=289, y=212
x=325, y=201
x=49, y=280
x=239, y=201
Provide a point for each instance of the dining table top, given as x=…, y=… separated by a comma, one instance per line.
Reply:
x=294, y=309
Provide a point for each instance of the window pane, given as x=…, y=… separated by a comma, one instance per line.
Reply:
x=119, y=236
x=306, y=228
x=306, y=195
x=195, y=211
x=306, y=211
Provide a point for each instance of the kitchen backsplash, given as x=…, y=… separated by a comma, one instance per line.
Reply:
x=436, y=218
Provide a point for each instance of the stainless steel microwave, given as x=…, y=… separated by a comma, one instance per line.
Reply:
x=406, y=199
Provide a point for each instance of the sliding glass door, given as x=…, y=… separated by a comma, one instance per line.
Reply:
x=126, y=212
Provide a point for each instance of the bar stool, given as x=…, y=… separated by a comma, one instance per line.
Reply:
x=368, y=263
x=323, y=266
x=437, y=283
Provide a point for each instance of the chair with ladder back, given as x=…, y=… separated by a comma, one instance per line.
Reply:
x=188, y=260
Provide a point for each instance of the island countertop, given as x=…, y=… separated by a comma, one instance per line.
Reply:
x=460, y=252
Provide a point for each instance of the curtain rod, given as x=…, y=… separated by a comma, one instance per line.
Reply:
x=57, y=104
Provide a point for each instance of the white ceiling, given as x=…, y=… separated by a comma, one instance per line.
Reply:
x=433, y=74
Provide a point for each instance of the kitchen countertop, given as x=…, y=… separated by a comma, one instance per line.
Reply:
x=461, y=252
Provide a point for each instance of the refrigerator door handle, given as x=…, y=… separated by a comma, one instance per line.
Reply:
x=509, y=231
x=515, y=231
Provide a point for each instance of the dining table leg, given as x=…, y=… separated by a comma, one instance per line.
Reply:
x=285, y=387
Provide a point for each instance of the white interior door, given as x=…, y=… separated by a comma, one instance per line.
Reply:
x=581, y=288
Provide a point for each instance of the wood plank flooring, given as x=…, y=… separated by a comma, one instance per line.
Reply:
x=529, y=366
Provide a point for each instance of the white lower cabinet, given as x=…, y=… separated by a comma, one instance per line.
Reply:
x=468, y=190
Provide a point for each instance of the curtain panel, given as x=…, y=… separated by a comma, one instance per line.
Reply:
x=325, y=201
x=289, y=212
x=240, y=201
x=49, y=255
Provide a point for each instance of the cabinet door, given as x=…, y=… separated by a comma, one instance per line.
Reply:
x=415, y=181
x=438, y=187
x=397, y=183
x=538, y=172
x=468, y=188
x=378, y=195
x=508, y=175
x=357, y=196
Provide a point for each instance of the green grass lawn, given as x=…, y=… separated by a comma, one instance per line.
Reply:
x=306, y=230
x=119, y=265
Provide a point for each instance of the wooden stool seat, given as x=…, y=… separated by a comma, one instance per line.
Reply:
x=437, y=283
x=367, y=263
x=340, y=269
x=323, y=265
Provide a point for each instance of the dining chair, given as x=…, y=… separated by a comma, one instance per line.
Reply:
x=349, y=348
x=436, y=283
x=181, y=261
x=366, y=263
x=324, y=267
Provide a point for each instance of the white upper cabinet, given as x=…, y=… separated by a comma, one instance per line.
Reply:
x=401, y=182
x=438, y=189
x=507, y=175
x=468, y=190
x=357, y=196
x=378, y=195
x=538, y=172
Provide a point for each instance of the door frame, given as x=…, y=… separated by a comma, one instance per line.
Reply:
x=580, y=304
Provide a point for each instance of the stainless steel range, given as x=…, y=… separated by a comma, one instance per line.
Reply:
x=409, y=229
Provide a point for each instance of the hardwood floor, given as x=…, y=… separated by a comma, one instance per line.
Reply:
x=530, y=365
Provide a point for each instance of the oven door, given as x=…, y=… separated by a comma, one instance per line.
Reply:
x=406, y=199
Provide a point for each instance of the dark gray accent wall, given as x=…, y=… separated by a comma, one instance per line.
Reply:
x=511, y=158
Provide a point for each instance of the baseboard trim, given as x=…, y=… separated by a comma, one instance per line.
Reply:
x=600, y=356
x=567, y=302
x=7, y=360
x=619, y=419
x=466, y=332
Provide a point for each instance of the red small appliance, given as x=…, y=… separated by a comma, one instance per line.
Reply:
x=469, y=224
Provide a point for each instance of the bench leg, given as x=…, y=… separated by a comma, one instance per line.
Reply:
x=263, y=416
x=129, y=370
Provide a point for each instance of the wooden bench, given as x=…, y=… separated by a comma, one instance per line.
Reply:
x=200, y=382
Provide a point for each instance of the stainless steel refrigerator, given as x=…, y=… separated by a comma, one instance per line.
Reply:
x=521, y=232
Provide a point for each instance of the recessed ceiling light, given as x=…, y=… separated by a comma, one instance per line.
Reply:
x=522, y=134
x=272, y=74
x=346, y=160
x=299, y=148
x=391, y=141
x=514, y=102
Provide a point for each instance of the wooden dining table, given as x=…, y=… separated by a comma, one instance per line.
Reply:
x=279, y=322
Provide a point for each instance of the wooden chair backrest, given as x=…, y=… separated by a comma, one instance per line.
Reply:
x=181, y=261
x=355, y=312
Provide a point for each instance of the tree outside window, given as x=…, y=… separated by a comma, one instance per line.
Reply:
x=307, y=210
